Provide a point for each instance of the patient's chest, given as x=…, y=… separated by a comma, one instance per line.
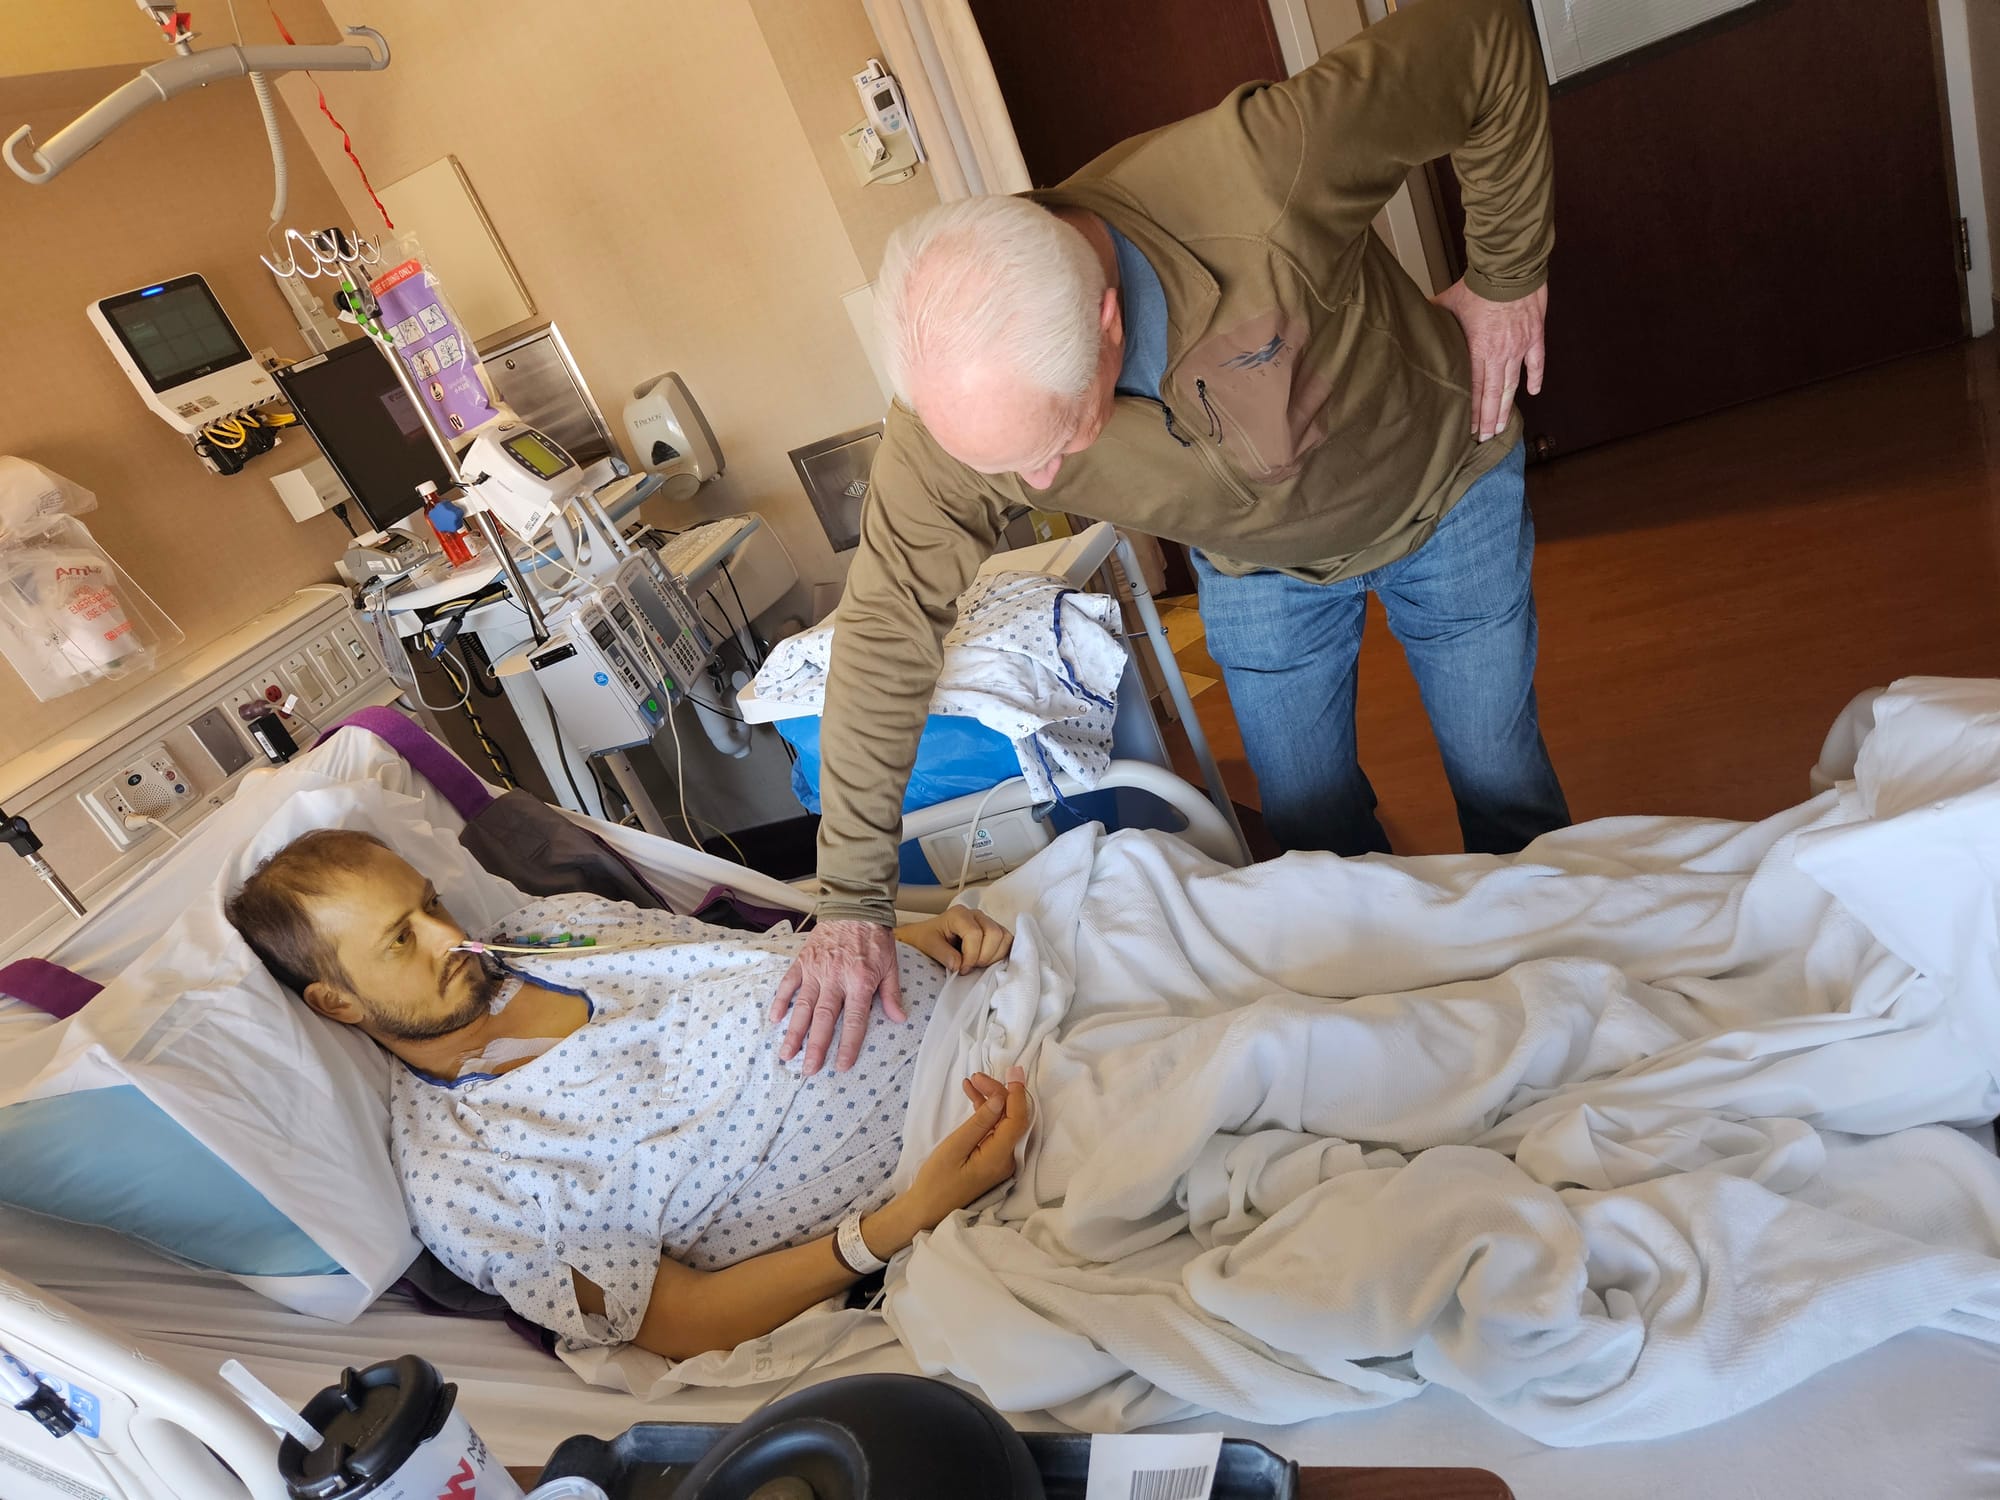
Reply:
x=663, y=1110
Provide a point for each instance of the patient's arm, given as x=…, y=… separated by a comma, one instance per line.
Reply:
x=959, y=938
x=691, y=1312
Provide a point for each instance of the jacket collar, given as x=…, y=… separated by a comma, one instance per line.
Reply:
x=1192, y=293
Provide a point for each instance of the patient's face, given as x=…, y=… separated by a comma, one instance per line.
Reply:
x=394, y=938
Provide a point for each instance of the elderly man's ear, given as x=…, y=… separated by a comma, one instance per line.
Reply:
x=334, y=1003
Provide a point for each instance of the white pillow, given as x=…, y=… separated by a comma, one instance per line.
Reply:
x=293, y=1104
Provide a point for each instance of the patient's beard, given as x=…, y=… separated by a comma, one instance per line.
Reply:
x=479, y=983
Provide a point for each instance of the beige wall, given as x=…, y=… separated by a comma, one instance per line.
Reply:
x=212, y=551
x=52, y=36
x=645, y=169
x=1334, y=21
x=817, y=46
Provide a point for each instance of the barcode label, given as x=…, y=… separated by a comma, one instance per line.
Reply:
x=1171, y=1484
x=1153, y=1466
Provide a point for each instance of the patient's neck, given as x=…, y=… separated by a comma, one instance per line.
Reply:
x=532, y=1012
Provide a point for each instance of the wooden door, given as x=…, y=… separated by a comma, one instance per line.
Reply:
x=1755, y=206
x=1079, y=76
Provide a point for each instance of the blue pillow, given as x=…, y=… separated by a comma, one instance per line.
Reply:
x=111, y=1156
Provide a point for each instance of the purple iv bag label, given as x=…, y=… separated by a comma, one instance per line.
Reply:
x=438, y=355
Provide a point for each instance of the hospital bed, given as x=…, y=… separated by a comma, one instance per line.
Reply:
x=1913, y=1416
x=1140, y=789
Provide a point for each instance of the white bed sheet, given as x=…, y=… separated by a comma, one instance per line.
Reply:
x=1912, y=1417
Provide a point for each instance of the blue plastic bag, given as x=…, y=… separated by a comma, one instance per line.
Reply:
x=956, y=757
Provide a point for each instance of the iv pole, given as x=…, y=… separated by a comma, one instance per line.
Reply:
x=489, y=529
x=16, y=833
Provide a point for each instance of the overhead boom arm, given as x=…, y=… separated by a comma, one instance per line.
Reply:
x=163, y=80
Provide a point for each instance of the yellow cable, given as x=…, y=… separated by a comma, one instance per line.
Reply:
x=741, y=858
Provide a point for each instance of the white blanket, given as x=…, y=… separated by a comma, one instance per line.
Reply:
x=1029, y=657
x=1616, y=1138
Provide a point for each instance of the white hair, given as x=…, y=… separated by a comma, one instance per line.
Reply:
x=991, y=278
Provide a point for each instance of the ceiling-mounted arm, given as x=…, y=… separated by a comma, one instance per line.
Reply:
x=176, y=75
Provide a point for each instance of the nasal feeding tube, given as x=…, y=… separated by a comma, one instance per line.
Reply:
x=561, y=945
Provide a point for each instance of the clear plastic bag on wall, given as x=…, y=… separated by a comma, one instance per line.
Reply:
x=32, y=498
x=69, y=615
x=432, y=340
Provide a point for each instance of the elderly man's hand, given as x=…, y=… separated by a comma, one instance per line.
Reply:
x=1502, y=338
x=836, y=977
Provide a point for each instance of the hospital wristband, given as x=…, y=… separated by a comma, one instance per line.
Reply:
x=852, y=1251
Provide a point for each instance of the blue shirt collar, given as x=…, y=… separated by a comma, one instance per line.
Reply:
x=1144, y=303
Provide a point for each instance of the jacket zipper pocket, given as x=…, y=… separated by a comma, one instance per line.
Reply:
x=1210, y=452
x=1214, y=422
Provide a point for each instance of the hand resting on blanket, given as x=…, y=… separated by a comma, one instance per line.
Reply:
x=691, y=1312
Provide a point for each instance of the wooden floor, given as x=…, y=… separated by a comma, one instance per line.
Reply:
x=1712, y=594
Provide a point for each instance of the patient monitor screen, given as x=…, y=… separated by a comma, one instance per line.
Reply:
x=176, y=331
x=368, y=428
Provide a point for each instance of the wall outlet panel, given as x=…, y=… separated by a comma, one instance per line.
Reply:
x=186, y=713
x=150, y=786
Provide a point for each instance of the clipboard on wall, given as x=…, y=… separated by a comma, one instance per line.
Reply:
x=438, y=204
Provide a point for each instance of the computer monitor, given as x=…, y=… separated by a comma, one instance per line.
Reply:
x=367, y=427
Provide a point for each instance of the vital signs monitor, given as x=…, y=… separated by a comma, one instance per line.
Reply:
x=181, y=352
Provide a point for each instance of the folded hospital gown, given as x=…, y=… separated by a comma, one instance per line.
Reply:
x=1030, y=658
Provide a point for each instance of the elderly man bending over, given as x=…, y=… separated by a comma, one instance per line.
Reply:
x=1199, y=337
x=610, y=1141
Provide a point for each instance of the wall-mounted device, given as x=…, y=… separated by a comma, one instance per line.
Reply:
x=520, y=475
x=884, y=146
x=537, y=378
x=670, y=436
x=883, y=100
x=836, y=473
x=367, y=427
x=181, y=353
x=312, y=489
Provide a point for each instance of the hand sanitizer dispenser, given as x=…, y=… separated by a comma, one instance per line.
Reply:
x=671, y=437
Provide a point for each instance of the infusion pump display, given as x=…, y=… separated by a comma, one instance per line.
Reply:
x=523, y=476
x=537, y=454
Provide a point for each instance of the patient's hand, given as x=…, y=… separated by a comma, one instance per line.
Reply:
x=960, y=938
x=690, y=1312
x=978, y=1156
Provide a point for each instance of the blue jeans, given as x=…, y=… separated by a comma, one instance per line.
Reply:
x=1463, y=607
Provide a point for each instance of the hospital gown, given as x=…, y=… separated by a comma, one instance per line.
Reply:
x=665, y=1124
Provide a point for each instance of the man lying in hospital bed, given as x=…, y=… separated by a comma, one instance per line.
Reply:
x=611, y=1140
x=1615, y=1138
x=1612, y=1139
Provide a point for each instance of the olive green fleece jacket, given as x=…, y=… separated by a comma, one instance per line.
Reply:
x=1316, y=413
